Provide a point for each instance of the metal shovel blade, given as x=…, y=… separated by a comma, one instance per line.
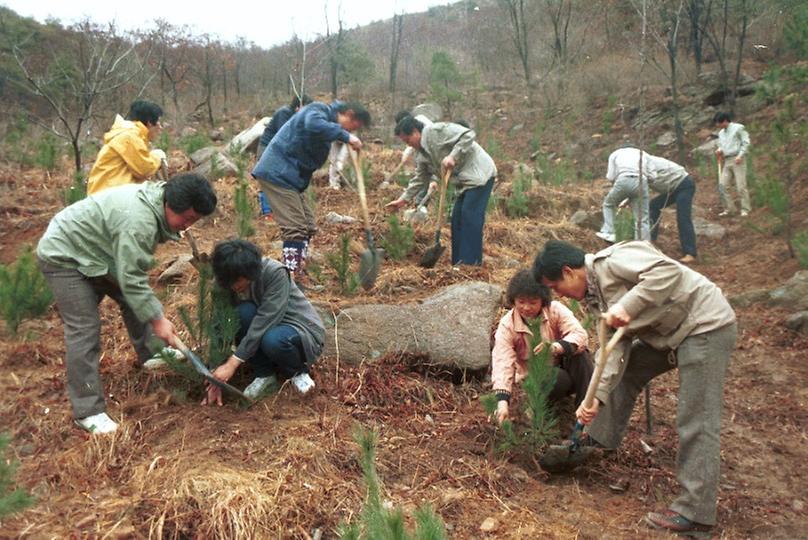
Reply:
x=369, y=264
x=203, y=370
x=430, y=257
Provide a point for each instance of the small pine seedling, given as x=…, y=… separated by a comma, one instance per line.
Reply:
x=24, y=293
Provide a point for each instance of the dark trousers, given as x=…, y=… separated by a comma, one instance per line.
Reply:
x=682, y=197
x=572, y=377
x=281, y=350
x=77, y=298
x=468, y=218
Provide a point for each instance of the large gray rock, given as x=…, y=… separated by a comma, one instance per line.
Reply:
x=707, y=149
x=708, y=229
x=433, y=111
x=179, y=268
x=452, y=328
x=793, y=294
x=666, y=139
x=203, y=154
x=223, y=167
x=592, y=220
x=247, y=140
x=749, y=298
x=798, y=322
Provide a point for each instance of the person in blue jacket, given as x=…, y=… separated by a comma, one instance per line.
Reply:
x=285, y=168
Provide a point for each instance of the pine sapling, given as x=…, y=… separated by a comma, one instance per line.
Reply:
x=11, y=500
x=340, y=262
x=24, y=293
x=399, y=240
x=517, y=204
x=245, y=209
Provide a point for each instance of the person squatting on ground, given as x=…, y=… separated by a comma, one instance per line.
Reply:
x=281, y=333
x=559, y=328
x=125, y=157
x=279, y=118
x=733, y=145
x=445, y=146
x=624, y=173
x=285, y=168
x=674, y=186
x=102, y=246
x=675, y=317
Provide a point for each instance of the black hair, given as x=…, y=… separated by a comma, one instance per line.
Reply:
x=190, y=190
x=524, y=285
x=234, y=259
x=722, y=116
x=407, y=125
x=145, y=112
x=296, y=101
x=401, y=115
x=359, y=112
x=555, y=255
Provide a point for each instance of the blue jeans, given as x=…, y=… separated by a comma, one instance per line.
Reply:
x=682, y=197
x=468, y=218
x=281, y=349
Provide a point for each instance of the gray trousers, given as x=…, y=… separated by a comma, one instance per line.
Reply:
x=627, y=187
x=292, y=213
x=77, y=298
x=702, y=360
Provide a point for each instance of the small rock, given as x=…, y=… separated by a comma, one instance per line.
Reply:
x=489, y=525
x=178, y=268
x=334, y=218
x=188, y=131
x=798, y=505
x=452, y=495
x=666, y=139
x=620, y=485
x=798, y=321
x=217, y=134
x=646, y=447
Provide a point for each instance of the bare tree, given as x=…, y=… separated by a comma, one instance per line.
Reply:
x=97, y=63
x=395, y=48
x=174, y=53
x=335, y=44
x=520, y=29
x=698, y=15
x=560, y=15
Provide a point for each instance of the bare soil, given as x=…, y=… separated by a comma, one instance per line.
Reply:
x=288, y=465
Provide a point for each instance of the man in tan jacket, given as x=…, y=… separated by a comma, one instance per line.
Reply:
x=676, y=318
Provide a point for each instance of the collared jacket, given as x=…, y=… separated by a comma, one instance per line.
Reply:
x=473, y=166
x=279, y=301
x=301, y=147
x=733, y=140
x=281, y=116
x=667, y=301
x=113, y=234
x=664, y=175
x=513, y=338
x=125, y=157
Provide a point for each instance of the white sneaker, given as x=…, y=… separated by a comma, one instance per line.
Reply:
x=302, y=382
x=97, y=423
x=259, y=384
x=725, y=213
x=606, y=236
x=744, y=213
x=158, y=362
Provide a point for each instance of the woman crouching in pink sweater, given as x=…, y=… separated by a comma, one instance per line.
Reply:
x=559, y=328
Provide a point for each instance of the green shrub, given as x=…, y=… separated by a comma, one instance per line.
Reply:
x=11, y=501
x=795, y=30
x=214, y=325
x=192, y=143
x=800, y=243
x=245, y=209
x=24, y=293
x=164, y=141
x=607, y=119
x=47, y=152
x=340, y=262
x=537, y=386
x=399, y=240
x=624, y=225
x=376, y=521
x=493, y=203
x=77, y=191
x=516, y=205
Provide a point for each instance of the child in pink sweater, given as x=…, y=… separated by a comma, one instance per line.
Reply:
x=559, y=327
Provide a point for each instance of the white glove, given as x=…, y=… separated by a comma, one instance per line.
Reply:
x=158, y=153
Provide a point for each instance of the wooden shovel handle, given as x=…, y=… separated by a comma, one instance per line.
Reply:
x=360, y=186
x=442, y=201
x=603, y=354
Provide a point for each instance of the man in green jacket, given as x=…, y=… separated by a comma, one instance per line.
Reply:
x=103, y=246
x=674, y=318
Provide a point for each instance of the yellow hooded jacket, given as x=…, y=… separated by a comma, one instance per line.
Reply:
x=125, y=157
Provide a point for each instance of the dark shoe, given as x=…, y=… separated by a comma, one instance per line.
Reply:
x=671, y=521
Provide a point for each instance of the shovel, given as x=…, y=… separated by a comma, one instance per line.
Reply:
x=565, y=457
x=203, y=370
x=369, y=260
x=431, y=255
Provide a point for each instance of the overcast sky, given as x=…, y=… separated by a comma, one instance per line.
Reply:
x=266, y=23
